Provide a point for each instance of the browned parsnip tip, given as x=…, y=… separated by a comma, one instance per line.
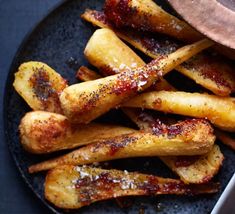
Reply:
x=72, y=187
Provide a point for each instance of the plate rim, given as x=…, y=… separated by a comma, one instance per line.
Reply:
x=8, y=83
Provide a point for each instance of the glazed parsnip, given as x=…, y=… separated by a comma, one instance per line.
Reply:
x=218, y=110
x=196, y=169
x=86, y=101
x=111, y=56
x=44, y=132
x=211, y=72
x=190, y=137
x=105, y=45
x=147, y=16
x=190, y=169
x=40, y=86
x=72, y=187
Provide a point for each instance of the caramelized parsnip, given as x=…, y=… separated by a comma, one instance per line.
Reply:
x=148, y=16
x=190, y=169
x=218, y=110
x=86, y=101
x=211, y=72
x=190, y=137
x=40, y=86
x=72, y=187
x=44, y=132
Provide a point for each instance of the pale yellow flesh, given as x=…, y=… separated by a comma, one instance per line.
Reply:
x=86, y=101
x=211, y=73
x=193, y=137
x=44, y=132
x=72, y=187
x=218, y=110
x=37, y=97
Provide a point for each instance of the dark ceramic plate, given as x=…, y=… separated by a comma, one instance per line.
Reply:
x=59, y=41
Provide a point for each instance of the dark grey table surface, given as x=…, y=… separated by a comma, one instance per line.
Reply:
x=16, y=19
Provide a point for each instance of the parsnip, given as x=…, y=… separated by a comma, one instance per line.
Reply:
x=218, y=110
x=44, y=132
x=72, y=187
x=86, y=101
x=211, y=72
x=40, y=86
x=148, y=16
x=190, y=169
x=192, y=137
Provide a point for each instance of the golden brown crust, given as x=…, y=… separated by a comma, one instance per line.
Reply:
x=190, y=137
x=209, y=71
x=44, y=132
x=40, y=86
x=72, y=187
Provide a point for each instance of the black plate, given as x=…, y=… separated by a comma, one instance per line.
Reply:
x=59, y=41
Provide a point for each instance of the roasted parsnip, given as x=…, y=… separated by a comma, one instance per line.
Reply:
x=191, y=169
x=40, y=86
x=86, y=101
x=211, y=72
x=148, y=16
x=44, y=132
x=112, y=56
x=196, y=169
x=218, y=110
x=190, y=137
x=72, y=187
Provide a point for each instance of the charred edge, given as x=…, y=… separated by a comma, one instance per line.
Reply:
x=48, y=131
x=43, y=88
x=118, y=11
x=114, y=144
x=162, y=45
x=209, y=69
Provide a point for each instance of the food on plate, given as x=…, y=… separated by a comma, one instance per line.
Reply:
x=44, y=132
x=148, y=16
x=220, y=111
x=86, y=101
x=40, y=86
x=72, y=187
x=211, y=72
x=62, y=113
x=189, y=137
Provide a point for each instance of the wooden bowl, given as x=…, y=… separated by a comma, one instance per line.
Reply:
x=213, y=18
